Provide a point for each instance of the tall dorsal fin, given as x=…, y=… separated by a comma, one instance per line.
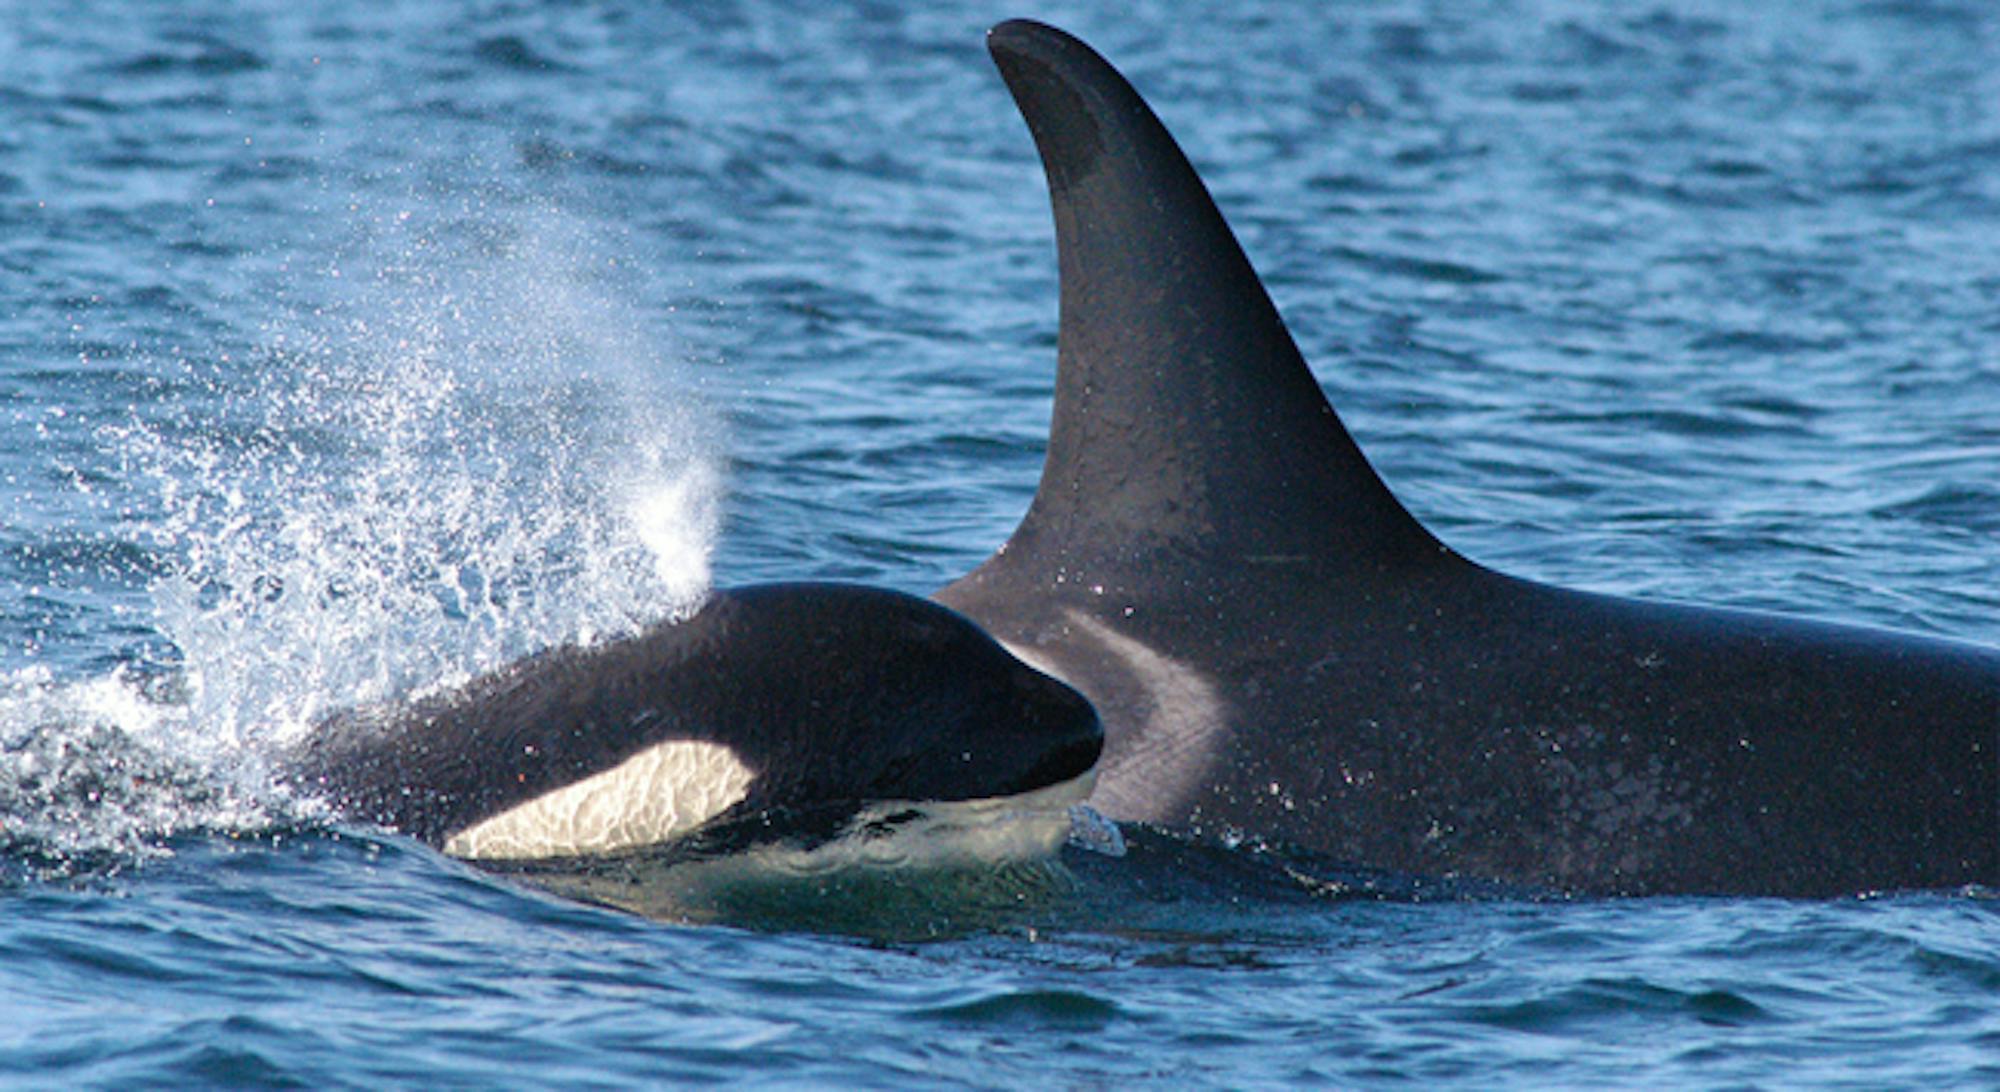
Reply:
x=1186, y=423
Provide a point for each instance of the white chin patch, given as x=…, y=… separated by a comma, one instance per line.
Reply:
x=1024, y=827
x=655, y=796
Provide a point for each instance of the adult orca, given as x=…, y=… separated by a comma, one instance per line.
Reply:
x=1279, y=649
x=793, y=706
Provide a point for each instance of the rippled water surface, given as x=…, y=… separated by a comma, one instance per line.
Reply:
x=348, y=349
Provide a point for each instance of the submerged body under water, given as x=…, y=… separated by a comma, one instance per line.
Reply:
x=349, y=352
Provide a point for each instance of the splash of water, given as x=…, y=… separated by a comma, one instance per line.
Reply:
x=415, y=475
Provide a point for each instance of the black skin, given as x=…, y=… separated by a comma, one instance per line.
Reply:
x=1371, y=694
x=834, y=695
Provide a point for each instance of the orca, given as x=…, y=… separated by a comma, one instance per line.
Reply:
x=785, y=709
x=1280, y=650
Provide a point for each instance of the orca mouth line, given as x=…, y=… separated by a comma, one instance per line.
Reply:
x=891, y=834
x=1051, y=797
x=1062, y=766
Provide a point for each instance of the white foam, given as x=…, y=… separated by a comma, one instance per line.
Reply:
x=428, y=465
x=96, y=766
x=453, y=458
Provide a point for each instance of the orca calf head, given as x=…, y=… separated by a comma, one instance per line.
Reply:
x=802, y=703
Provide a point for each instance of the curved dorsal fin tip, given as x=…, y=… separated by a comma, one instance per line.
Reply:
x=1184, y=415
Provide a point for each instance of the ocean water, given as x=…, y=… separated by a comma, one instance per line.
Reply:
x=346, y=350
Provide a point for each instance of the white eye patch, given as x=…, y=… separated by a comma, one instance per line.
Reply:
x=655, y=796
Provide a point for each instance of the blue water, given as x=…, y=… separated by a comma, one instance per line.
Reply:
x=349, y=348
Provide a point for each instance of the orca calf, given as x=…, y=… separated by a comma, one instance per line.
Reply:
x=1279, y=649
x=796, y=704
